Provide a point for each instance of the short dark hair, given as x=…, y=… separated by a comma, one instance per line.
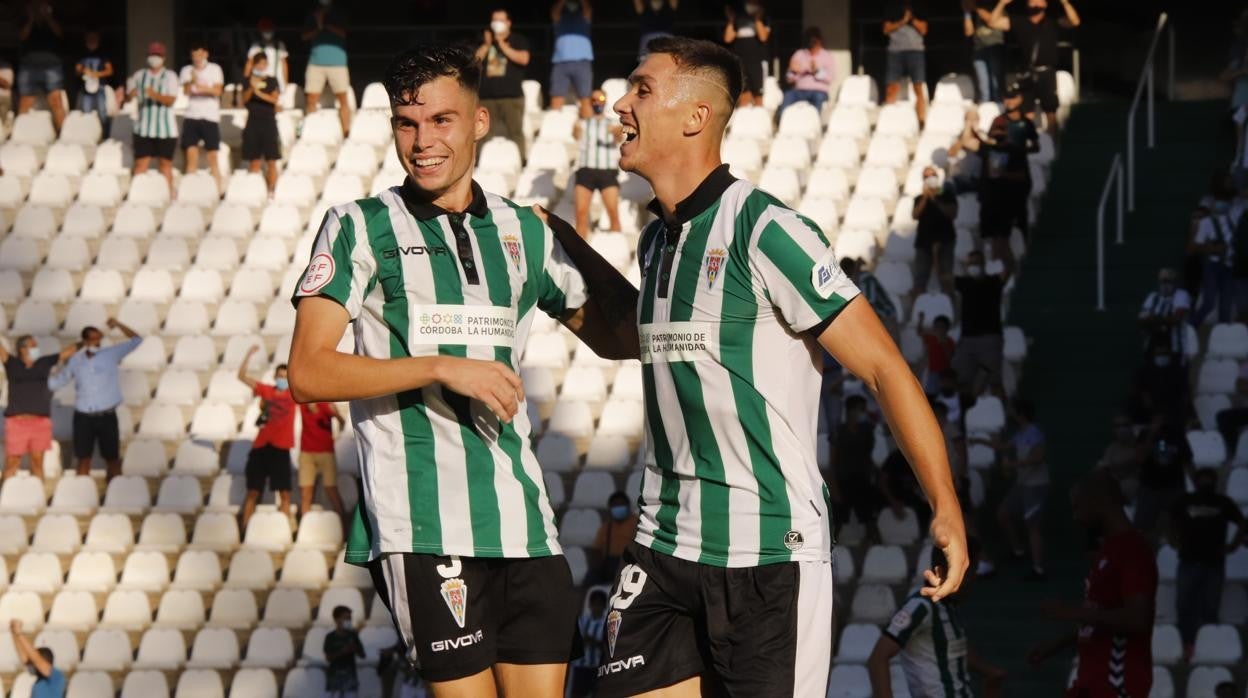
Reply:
x=942, y=318
x=281, y=367
x=425, y=63
x=86, y=331
x=47, y=655
x=21, y=341
x=199, y=44
x=811, y=33
x=855, y=401
x=616, y=496
x=698, y=54
x=598, y=594
x=340, y=611
x=259, y=56
x=1025, y=408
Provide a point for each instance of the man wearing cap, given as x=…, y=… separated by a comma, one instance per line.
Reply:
x=274, y=49
x=155, y=129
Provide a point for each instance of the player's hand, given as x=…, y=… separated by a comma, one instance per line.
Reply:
x=948, y=534
x=555, y=222
x=490, y=382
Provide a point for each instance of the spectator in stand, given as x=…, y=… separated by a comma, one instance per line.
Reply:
x=939, y=347
x=978, y=357
x=94, y=68
x=155, y=128
x=341, y=647
x=1161, y=385
x=1036, y=35
x=900, y=490
x=1112, y=630
x=1005, y=186
x=748, y=34
x=1123, y=456
x=327, y=60
x=1232, y=420
x=873, y=291
x=1165, y=310
x=1236, y=72
x=203, y=82
x=987, y=48
x=657, y=19
x=39, y=69
x=905, y=25
x=612, y=539
x=811, y=71
x=1026, y=498
x=599, y=164
x=1198, y=526
x=503, y=55
x=852, y=485
x=934, y=211
x=1213, y=242
x=277, y=64
x=261, y=140
x=7, y=76
x=269, y=459
x=572, y=64
x=95, y=373
x=1167, y=461
x=316, y=455
x=964, y=162
x=28, y=415
x=949, y=396
x=592, y=627
x=49, y=681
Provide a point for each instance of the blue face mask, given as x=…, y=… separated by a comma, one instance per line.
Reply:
x=619, y=512
x=281, y=384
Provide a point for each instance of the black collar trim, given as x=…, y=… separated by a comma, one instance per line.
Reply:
x=425, y=210
x=707, y=193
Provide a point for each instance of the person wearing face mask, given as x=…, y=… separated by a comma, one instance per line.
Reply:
x=94, y=68
x=49, y=681
x=203, y=82
x=1165, y=309
x=276, y=64
x=341, y=647
x=269, y=459
x=155, y=88
x=934, y=211
x=977, y=359
x=1213, y=243
x=612, y=538
x=1167, y=460
x=504, y=54
x=748, y=34
x=657, y=18
x=1112, y=630
x=94, y=371
x=1161, y=385
x=811, y=71
x=572, y=63
x=27, y=417
x=1199, y=521
x=1037, y=35
x=1005, y=185
x=598, y=166
x=905, y=25
x=261, y=140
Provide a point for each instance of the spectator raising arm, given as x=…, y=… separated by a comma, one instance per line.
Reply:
x=242, y=369
x=892, y=26
x=114, y=324
x=1071, y=19
x=26, y=652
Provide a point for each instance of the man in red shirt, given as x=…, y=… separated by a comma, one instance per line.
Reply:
x=316, y=454
x=269, y=460
x=1113, y=629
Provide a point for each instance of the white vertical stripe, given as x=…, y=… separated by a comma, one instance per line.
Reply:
x=814, y=629
x=393, y=571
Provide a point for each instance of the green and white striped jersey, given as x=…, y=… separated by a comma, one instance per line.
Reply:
x=599, y=150
x=933, y=648
x=731, y=301
x=153, y=119
x=439, y=473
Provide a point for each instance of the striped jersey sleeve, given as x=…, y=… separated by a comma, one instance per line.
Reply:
x=908, y=619
x=797, y=269
x=560, y=286
x=341, y=265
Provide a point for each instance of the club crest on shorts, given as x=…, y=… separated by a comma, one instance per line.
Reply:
x=614, y=618
x=512, y=244
x=793, y=540
x=455, y=594
x=714, y=263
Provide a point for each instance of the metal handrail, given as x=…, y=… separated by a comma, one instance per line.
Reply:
x=1146, y=82
x=1115, y=176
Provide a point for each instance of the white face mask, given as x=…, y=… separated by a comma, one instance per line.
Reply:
x=931, y=182
x=344, y=625
x=267, y=36
x=155, y=62
x=499, y=27
x=975, y=270
x=33, y=353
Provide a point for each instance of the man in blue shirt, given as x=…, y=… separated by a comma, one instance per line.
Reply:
x=49, y=681
x=97, y=393
x=572, y=65
x=327, y=60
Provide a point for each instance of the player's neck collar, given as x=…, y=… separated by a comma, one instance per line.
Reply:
x=707, y=193
x=424, y=210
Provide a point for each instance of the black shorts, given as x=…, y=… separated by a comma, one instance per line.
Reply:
x=458, y=616
x=752, y=72
x=268, y=464
x=595, y=179
x=747, y=631
x=1046, y=88
x=162, y=148
x=195, y=131
x=97, y=428
x=261, y=140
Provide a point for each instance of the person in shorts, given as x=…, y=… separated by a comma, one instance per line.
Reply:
x=599, y=160
x=39, y=69
x=155, y=88
x=906, y=26
x=27, y=417
x=1024, y=455
x=203, y=82
x=748, y=35
x=316, y=454
x=1037, y=35
x=327, y=60
x=1005, y=185
x=572, y=64
x=269, y=460
x=261, y=141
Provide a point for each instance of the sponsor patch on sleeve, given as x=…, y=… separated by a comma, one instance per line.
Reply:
x=826, y=276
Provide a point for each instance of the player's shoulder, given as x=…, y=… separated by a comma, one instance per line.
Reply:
x=365, y=211
x=757, y=208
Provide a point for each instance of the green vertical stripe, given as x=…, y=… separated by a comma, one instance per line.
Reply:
x=941, y=644
x=533, y=250
x=775, y=243
x=339, y=286
x=669, y=488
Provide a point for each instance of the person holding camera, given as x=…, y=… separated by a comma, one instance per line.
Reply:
x=1037, y=35
x=503, y=55
x=269, y=459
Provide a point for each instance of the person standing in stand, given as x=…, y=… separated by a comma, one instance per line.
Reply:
x=747, y=34
x=27, y=417
x=261, y=140
x=504, y=55
x=269, y=459
x=316, y=455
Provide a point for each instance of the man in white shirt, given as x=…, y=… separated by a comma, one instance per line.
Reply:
x=1165, y=309
x=1213, y=241
x=203, y=82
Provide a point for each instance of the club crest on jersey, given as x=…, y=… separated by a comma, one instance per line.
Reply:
x=714, y=264
x=455, y=594
x=512, y=245
x=614, y=618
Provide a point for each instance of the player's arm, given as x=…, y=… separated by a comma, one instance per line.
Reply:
x=877, y=666
x=1135, y=615
x=858, y=340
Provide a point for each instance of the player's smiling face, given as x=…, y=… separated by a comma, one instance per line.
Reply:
x=436, y=135
x=652, y=113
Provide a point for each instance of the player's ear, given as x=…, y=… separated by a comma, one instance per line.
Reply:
x=699, y=118
x=481, y=124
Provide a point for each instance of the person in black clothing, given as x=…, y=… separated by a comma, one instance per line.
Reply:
x=260, y=137
x=657, y=18
x=748, y=33
x=1168, y=460
x=981, y=345
x=1036, y=35
x=852, y=485
x=900, y=489
x=1005, y=184
x=504, y=55
x=39, y=69
x=1161, y=385
x=1198, y=525
x=934, y=210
